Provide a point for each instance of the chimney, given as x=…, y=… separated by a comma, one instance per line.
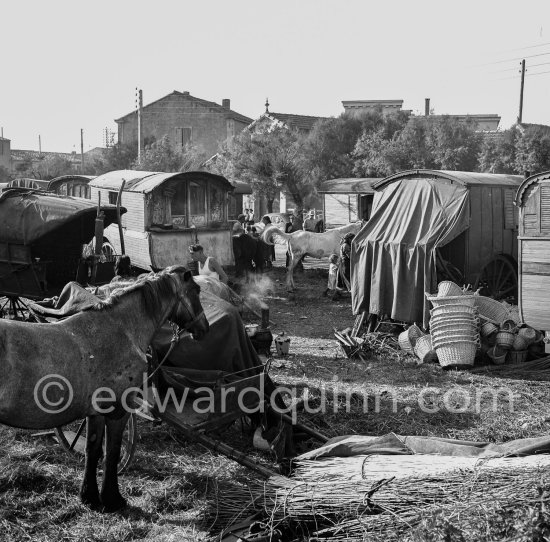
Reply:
x=226, y=103
x=427, y=107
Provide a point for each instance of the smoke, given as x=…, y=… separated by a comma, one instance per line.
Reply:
x=254, y=292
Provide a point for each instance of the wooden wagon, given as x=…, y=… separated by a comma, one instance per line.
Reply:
x=427, y=226
x=533, y=202
x=41, y=243
x=71, y=185
x=167, y=212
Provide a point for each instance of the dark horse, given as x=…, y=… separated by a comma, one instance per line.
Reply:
x=51, y=373
x=250, y=254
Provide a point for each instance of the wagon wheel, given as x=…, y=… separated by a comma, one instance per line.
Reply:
x=73, y=438
x=108, y=251
x=499, y=279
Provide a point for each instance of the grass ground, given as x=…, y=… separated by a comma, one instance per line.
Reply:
x=173, y=486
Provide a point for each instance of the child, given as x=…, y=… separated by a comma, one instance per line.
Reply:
x=332, y=287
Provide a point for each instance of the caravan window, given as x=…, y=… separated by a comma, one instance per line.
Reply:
x=197, y=203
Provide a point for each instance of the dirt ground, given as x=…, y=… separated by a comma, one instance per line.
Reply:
x=174, y=487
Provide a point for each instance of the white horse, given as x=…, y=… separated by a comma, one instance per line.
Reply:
x=306, y=243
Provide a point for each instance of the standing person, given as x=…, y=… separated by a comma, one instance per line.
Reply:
x=250, y=216
x=310, y=223
x=332, y=286
x=297, y=220
x=345, y=260
x=238, y=227
x=208, y=266
x=266, y=221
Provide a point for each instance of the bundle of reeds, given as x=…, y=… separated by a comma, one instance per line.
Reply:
x=538, y=369
x=341, y=507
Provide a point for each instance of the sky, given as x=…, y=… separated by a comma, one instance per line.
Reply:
x=72, y=65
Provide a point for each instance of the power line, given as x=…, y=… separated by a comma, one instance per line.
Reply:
x=530, y=66
x=513, y=59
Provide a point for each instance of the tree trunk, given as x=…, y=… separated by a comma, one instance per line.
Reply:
x=269, y=202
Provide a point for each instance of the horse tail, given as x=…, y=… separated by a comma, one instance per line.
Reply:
x=272, y=235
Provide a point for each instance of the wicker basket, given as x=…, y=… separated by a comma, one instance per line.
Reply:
x=407, y=339
x=466, y=300
x=457, y=353
x=438, y=341
x=448, y=288
x=457, y=319
x=459, y=327
x=452, y=308
x=518, y=356
x=509, y=325
x=497, y=356
x=520, y=343
x=488, y=329
x=505, y=339
x=424, y=350
x=491, y=309
x=529, y=334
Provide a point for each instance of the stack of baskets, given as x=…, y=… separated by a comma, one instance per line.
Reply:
x=508, y=342
x=454, y=325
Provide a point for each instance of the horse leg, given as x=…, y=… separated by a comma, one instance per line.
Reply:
x=111, y=498
x=294, y=260
x=89, y=493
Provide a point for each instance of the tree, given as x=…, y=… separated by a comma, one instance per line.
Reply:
x=533, y=150
x=329, y=147
x=269, y=161
x=162, y=156
x=119, y=156
x=51, y=166
x=498, y=153
x=424, y=142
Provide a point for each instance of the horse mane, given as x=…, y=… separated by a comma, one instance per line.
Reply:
x=152, y=286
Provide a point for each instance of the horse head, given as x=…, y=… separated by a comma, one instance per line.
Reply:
x=188, y=313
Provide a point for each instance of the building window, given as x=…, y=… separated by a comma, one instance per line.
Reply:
x=183, y=136
x=113, y=196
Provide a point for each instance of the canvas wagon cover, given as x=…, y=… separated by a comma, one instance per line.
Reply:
x=393, y=256
x=26, y=216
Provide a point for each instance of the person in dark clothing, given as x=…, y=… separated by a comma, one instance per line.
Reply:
x=345, y=260
x=266, y=221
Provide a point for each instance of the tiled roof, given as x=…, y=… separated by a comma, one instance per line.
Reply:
x=300, y=122
x=229, y=113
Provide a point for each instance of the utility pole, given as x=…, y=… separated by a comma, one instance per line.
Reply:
x=39, y=144
x=82, y=151
x=520, y=116
x=139, y=106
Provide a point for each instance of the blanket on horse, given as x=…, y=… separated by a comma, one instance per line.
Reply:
x=226, y=347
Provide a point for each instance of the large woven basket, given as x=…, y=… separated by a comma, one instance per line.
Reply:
x=424, y=350
x=456, y=318
x=407, y=339
x=518, y=356
x=497, y=356
x=468, y=327
x=448, y=288
x=529, y=334
x=520, y=343
x=488, y=328
x=457, y=353
x=439, y=341
x=467, y=300
x=491, y=309
x=451, y=308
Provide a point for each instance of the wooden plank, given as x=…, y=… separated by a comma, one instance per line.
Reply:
x=474, y=231
x=486, y=225
x=498, y=221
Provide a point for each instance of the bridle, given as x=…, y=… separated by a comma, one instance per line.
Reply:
x=193, y=318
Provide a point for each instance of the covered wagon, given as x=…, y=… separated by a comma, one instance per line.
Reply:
x=71, y=185
x=41, y=240
x=427, y=226
x=533, y=201
x=167, y=212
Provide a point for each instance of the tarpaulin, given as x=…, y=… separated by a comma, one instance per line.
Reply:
x=393, y=256
x=392, y=444
x=27, y=216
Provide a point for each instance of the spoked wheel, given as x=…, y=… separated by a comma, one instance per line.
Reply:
x=499, y=279
x=73, y=438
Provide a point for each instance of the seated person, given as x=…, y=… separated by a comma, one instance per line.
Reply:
x=207, y=265
x=123, y=269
